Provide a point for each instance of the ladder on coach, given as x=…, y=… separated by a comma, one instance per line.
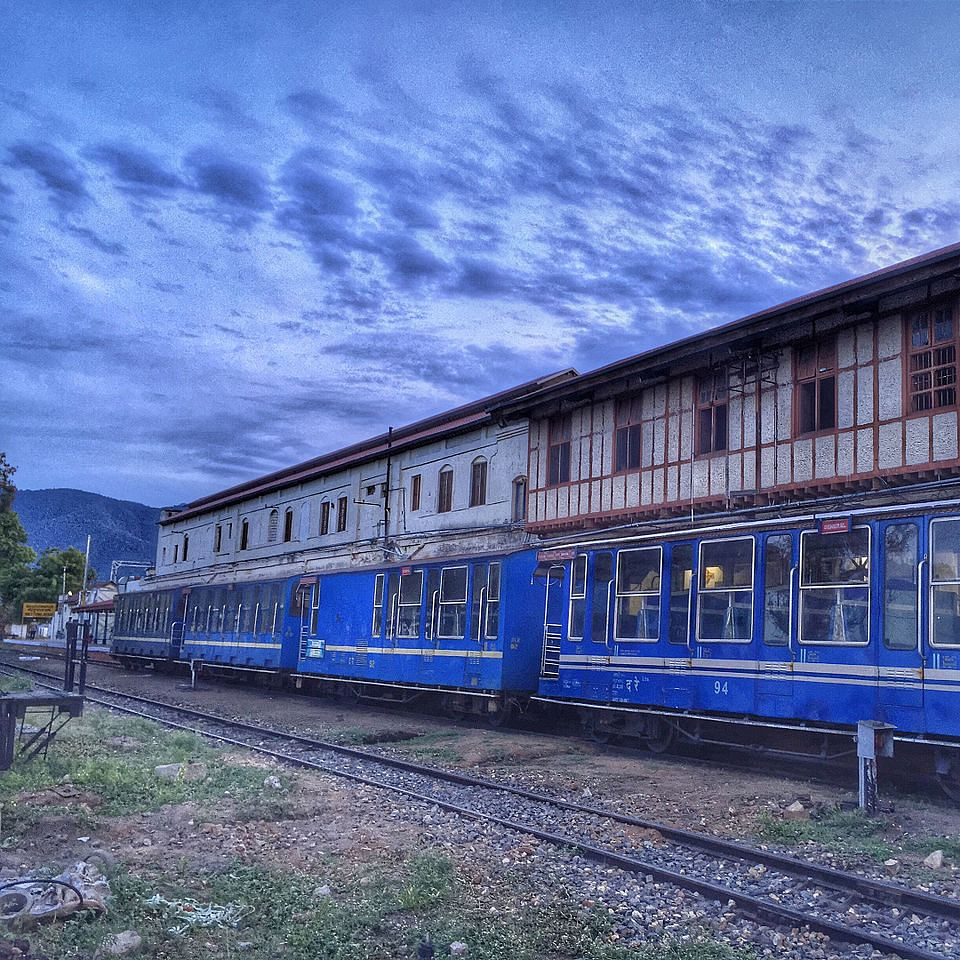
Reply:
x=550, y=663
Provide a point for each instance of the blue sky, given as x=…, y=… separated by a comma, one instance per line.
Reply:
x=235, y=235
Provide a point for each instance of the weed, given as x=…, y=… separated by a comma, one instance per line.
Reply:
x=843, y=831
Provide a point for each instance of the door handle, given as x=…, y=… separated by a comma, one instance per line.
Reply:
x=920, y=566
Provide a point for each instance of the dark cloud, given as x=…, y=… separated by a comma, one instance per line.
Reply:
x=407, y=260
x=313, y=108
x=136, y=171
x=240, y=191
x=59, y=173
x=228, y=109
x=112, y=247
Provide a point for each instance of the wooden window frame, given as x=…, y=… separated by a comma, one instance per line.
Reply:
x=341, y=514
x=324, y=518
x=288, y=525
x=218, y=538
x=478, y=482
x=818, y=372
x=941, y=364
x=445, y=490
x=416, y=492
x=559, y=431
x=244, y=534
x=186, y=546
x=519, y=506
x=273, y=526
x=717, y=406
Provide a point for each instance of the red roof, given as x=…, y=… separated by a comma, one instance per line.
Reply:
x=101, y=606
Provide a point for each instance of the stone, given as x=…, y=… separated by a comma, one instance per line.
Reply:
x=934, y=860
x=892, y=867
x=796, y=811
x=273, y=782
x=458, y=949
x=168, y=771
x=322, y=893
x=121, y=944
x=195, y=771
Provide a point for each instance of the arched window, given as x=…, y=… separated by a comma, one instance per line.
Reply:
x=288, y=526
x=324, y=518
x=273, y=526
x=186, y=543
x=445, y=490
x=520, y=498
x=244, y=534
x=478, y=482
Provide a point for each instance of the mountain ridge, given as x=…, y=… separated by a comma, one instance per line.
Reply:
x=63, y=516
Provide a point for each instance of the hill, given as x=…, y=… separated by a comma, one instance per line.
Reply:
x=120, y=529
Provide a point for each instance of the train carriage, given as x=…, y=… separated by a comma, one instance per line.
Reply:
x=815, y=622
x=148, y=626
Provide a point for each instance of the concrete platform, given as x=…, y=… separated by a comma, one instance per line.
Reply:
x=51, y=648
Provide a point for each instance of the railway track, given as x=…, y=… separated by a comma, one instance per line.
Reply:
x=770, y=887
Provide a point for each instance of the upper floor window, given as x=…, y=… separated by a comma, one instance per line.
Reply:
x=324, y=517
x=217, y=538
x=558, y=460
x=341, y=514
x=478, y=482
x=627, y=453
x=416, y=482
x=520, y=498
x=176, y=552
x=273, y=526
x=817, y=386
x=288, y=526
x=186, y=544
x=445, y=491
x=244, y=534
x=712, y=409
x=933, y=359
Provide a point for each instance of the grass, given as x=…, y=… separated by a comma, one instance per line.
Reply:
x=389, y=913
x=10, y=684
x=123, y=780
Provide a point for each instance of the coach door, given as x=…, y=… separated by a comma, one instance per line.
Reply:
x=778, y=642
x=178, y=621
x=552, y=621
x=899, y=652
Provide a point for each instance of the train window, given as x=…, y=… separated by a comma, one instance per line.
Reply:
x=411, y=601
x=578, y=598
x=485, y=601
x=492, y=624
x=314, y=608
x=229, y=621
x=600, y=597
x=433, y=596
x=453, y=603
x=835, y=587
x=945, y=582
x=681, y=580
x=900, y=542
x=725, y=607
x=638, y=595
x=248, y=604
x=377, y=627
x=478, y=599
x=777, y=563
x=277, y=597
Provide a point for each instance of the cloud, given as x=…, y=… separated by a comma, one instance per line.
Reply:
x=60, y=174
x=112, y=247
x=239, y=190
x=228, y=110
x=136, y=171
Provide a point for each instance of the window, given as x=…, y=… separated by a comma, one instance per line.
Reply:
x=725, y=611
x=445, y=491
x=411, y=598
x=176, y=552
x=485, y=602
x=324, y=518
x=186, y=544
x=638, y=595
x=578, y=598
x=816, y=387
x=777, y=563
x=519, y=512
x=478, y=482
x=628, y=448
x=712, y=407
x=835, y=587
x=945, y=582
x=933, y=359
x=453, y=603
x=377, y=628
x=681, y=582
x=602, y=585
x=341, y=514
x=273, y=526
x=288, y=526
x=217, y=538
x=415, y=486
x=163, y=557
x=900, y=586
x=558, y=457
x=244, y=534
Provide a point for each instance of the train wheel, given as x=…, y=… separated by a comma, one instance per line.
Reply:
x=595, y=730
x=497, y=718
x=948, y=775
x=660, y=734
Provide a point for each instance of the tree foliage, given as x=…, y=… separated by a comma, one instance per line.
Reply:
x=21, y=579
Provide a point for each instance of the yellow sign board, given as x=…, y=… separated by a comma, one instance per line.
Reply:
x=39, y=611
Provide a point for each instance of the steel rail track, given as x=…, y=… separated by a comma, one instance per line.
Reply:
x=757, y=907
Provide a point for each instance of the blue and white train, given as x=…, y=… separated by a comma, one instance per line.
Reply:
x=810, y=622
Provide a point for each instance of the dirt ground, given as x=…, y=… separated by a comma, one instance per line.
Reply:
x=725, y=799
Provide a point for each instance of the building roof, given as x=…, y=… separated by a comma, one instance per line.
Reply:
x=101, y=606
x=457, y=420
x=841, y=299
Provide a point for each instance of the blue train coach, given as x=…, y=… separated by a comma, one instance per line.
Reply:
x=148, y=627
x=812, y=623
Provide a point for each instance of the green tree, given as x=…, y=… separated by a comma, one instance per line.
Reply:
x=15, y=555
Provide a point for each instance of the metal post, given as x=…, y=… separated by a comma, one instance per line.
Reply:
x=86, y=566
x=84, y=649
x=874, y=739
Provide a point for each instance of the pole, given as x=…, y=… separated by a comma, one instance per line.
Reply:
x=63, y=588
x=86, y=566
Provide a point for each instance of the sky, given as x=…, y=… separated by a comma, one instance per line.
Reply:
x=235, y=235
